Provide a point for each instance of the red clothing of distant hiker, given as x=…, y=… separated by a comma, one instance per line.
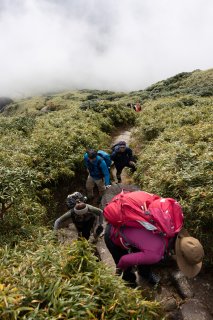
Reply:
x=137, y=107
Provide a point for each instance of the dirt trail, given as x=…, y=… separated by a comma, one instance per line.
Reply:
x=182, y=299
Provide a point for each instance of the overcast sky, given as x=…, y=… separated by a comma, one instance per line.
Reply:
x=120, y=45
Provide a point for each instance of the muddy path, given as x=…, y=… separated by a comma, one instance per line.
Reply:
x=182, y=299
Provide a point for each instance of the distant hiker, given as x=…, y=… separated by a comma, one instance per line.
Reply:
x=86, y=218
x=98, y=173
x=134, y=241
x=122, y=157
x=130, y=105
x=137, y=107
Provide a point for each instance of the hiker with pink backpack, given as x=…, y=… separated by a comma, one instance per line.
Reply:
x=142, y=229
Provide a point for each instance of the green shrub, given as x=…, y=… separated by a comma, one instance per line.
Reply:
x=47, y=281
x=176, y=162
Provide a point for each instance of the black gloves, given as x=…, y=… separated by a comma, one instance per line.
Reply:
x=99, y=230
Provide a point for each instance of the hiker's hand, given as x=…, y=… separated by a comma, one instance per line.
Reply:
x=118, y=271
x=93, y=239
x=132, y=163
x=108, y=186
x=99, y=230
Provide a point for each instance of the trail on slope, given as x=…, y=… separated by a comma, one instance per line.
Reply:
x=182, y=298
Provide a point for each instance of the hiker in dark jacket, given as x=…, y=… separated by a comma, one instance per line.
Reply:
x=86, y=218
x=122, y=157
x=98, y=173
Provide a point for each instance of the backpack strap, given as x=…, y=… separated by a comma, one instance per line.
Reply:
x=126, y=244
x=170, y=246
x=99, y=166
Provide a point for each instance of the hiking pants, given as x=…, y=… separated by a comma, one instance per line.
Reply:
x=117, y=252
x=119, y=169
x=90, y=184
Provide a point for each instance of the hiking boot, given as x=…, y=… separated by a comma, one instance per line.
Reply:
x=118, y=179
x=149, y=276
x=153, y=278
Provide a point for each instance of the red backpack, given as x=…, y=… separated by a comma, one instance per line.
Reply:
x=140, y=208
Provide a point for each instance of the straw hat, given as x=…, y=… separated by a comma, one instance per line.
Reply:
x=189, y=254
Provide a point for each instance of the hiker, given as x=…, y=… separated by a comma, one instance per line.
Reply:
x=130, y=105
x=137, y=107
x=98, y=173
x=144, y=229
x=71, y=201
x=87, y=220
x=122, y=157
x=142, y=248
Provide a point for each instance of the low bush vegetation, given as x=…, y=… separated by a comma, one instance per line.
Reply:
x=43, y=280
x=46, y=149
x=175, y=159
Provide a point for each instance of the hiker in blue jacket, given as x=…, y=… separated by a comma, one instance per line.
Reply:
x=122, y=157
x=98, y=173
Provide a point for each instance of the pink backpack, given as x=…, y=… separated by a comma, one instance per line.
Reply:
x=140, y=208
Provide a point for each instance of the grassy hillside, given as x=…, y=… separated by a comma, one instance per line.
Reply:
x=45, y=150
x=196, y=83
x=42, y=142
x=174, y=140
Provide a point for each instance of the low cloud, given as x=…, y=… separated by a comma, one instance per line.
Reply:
x=120, y=45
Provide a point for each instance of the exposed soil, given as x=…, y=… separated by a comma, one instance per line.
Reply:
x=182, y=299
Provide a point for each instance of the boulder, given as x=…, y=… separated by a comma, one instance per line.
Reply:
x=4, y=101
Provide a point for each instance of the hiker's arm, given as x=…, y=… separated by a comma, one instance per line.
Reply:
x=64, y=217
x=132, y=259
x=86, y=161
x=130, y=155
x=113, y=155
x=98, y=212
x=105, y=173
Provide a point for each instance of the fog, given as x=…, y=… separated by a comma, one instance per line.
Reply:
x=121, y=45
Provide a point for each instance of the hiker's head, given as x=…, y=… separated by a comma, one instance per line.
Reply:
x=189, y=254
x=92, y=154
x=73, y=198
x=122, y=146
x=81, y=209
